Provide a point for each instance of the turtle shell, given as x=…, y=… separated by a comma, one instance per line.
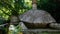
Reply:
x=37, y=18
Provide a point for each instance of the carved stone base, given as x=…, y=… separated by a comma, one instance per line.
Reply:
x=41, y=31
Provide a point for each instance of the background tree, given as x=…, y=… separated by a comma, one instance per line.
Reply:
x=13, y=7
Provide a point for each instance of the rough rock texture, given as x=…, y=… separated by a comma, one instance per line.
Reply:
x=55, y=26
x=41, y=31
x=23, y=25
x=36, y=18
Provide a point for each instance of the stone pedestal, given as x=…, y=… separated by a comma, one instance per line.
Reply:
x=41, y=31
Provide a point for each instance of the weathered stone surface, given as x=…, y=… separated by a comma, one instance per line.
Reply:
x=41, y=31
x=23, y=25
x=55, y=25
x=37, y=16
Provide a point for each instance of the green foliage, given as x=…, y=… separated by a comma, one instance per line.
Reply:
x=47, y=5
x=13, y=7
x=1, y=21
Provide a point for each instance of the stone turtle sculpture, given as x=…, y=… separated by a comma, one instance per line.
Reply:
x=35, y=18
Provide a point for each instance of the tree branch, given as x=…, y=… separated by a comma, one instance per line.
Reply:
x=4, y=12
x=6, y=5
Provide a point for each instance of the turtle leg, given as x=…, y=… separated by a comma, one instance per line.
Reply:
x=54, y=25
x=23, y=25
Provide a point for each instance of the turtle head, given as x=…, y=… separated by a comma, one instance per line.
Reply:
x=14, y=20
